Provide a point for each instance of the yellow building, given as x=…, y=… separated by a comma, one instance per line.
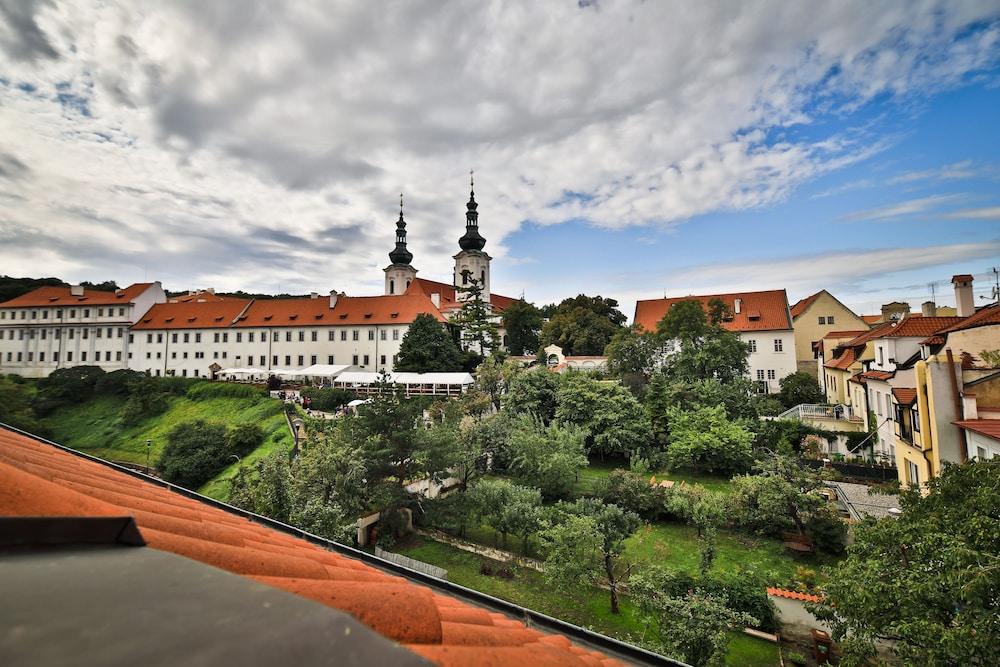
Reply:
x=815, y=317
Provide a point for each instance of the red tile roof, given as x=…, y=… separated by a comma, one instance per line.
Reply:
x=981, y=318
x=872, y=319
x=802, y=305
x=447, y=292
x=987, y=427
x=877, y=375
x=41, y=480
x=793, y=595
x=844, y=361
x=203, y=296
x=59, y=295
x=918, y=327
x=962, y=277
x=192, y=315
x=904, y=395
x=350, y=310
x=769, y=310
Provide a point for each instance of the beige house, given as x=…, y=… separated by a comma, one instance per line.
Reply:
x=815, y=317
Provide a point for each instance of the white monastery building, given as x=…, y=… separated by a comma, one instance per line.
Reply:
x=200, y=333
x=762, y=320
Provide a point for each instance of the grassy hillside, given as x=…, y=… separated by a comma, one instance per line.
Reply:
x=94, y=427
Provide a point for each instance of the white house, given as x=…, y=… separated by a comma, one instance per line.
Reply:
x=762, y=320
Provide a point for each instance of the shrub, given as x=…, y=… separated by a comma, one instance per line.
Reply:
x=145, y=399
x=202, y=390
x=66, y=385
x=328, y=400
x=195, y=452
x=633, y=492
x=116, y=382
x=244, y=438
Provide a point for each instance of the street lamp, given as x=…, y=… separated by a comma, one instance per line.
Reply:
x=149, y=444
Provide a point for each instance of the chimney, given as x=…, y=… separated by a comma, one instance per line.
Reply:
x=964, y=303
x=334, y=296
x=970, y=409
x=313, y=295
x=928, y=309
x=76, y=290
x=736, y=306
x=436, y=299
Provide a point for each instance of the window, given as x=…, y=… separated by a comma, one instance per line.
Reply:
x=85, y=333
x=354, y=360
x=45, y=331
x=41, y=356
x=915, y=419
x=55, y=357
x=173, y=355
x=100, y=312
x=239, y=337
x=249, y=336
x=121, y=312
x=197, y=338
x=274, y=361
x=343, y=335
x=366, y=361
x=274, y=337
x=302, y=336
x=301, y=360
x=187, y=338
x=312, y=360
x=382, y=360
x=980, y=453
x=98, y=330
x=371, y=334
x=912, y=473
x=159, y=337
x=288, y=336
x=69, y=355
x=121, y=332
x=216, y=336
x=72, y=312
x=225, y=337
x=149, y=337
x=83, y=355
x=215, y=355
x=829, y=319
x=107, y=355
x=760, y=374
x=395, y=334
x=770, y=374
x=752, y=345
x=355, y=335
x=288, y=360
x=881, y=356
x=329, y=359
x=394, y=358
x=45, y=314
x=778, y=345
x=173, y=338
x=331, y=334
x=314, y=335
x=381, y=335
x=86, y=312
x=822, y=320
x=224, y=354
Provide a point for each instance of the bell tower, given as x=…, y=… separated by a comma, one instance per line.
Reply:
x=472, y=263
x=399, y=274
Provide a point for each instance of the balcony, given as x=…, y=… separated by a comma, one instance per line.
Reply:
x=832, y=417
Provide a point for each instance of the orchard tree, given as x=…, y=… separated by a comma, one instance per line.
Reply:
x=548, y=457
x=583, y=325
x=587, y=545
x=533, y=392
x=427, y=347
x=928, y=582
x=633, y=351
x=508, y=508
x=706, y=439
x=523, y=323
x=614, y=420
x=705, y=348
x=798, y=388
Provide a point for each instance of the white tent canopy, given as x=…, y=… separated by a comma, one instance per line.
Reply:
x=323, y=370
x=242, y=371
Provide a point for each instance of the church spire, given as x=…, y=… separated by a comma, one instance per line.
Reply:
x=472, y=239
x=400, y=255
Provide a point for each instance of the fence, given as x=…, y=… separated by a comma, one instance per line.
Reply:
x=880, y=473
x=406, y=561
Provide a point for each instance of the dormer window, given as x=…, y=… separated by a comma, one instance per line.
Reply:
x=293, y=317
x=268, y=317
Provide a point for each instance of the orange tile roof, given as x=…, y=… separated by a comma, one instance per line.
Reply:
x=983, y=317
x=918, y=327
x=843, y=334
x=769, y=308
x=904, y=395
x=203, y=296
x=872, y=319
x=350, y=310
x=447, y=292
x=59, y=295
x=988, y=427
x=877, y=375
x=801, y=305
x=844, y=361
x=192, y=315
x=37, y=479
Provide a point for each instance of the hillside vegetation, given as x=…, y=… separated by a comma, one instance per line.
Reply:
x=96, y=427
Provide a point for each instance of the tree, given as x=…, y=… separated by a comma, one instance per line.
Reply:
x=493, y=376
x=633, y=355
x=693, y=627
x=145, y=399
x=195, y=452
x=533, y=392
x=427, y=347
x=548, y=457
x=632, y=492
x=586, y=547
x=614, y=420
x=15, y=407
x=705, y=439
x=479, y=329
x=926, y=582
x=798, y=388
x=523, y=323
x=705, y=348
x=508, y=508
x=66, y=385
x=583, y=325
x=244, y=438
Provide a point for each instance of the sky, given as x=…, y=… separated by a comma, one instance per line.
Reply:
x=626, y=149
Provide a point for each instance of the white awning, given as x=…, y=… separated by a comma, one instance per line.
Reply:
x=323, y=370
x=369, y=378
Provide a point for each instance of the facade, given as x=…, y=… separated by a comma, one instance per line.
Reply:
x=200, y=333
x=813, y=318
x=560, y=363
x=762, y=320
x=58, y=326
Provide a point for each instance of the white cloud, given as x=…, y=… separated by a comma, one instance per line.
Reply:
x=254, y=145
x=985, y=213
x=899, y=209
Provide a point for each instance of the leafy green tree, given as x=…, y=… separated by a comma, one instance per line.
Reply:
x=694, y=627
x=427, y=347
x=274, y=497
x=533, y=392
x=145, y=399
x=15, y=407
x=65, y=386
x=705, y=349
x=523, y=323
x=632, y=492
x=116, y=383
x=706, y=439
x=244, y=438
x=633, y=351
x=508, y=508
x=798, y=388
x=548, y=457
x=583, y=325
x=586, y=547
x=493, y=376
x=614, y=420
x=195, y=452
x=926, y=582
x=479, y=328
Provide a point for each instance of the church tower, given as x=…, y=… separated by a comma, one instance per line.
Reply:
x=399, y=274
x=472, y=262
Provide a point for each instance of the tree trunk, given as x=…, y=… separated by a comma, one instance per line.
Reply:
x=609, y=570
x=801, y=527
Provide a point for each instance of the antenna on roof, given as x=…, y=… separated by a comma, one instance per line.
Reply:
x=933, y=288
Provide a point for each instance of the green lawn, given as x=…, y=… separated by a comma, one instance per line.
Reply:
x=591, y=609
x=94, y=427
x=598, y=470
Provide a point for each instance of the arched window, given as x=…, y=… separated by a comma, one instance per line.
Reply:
x=392, y=287
x=407, y=282
x=482, y=277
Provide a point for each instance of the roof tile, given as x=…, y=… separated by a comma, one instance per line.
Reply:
x=770, y=306
x=59, y=295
